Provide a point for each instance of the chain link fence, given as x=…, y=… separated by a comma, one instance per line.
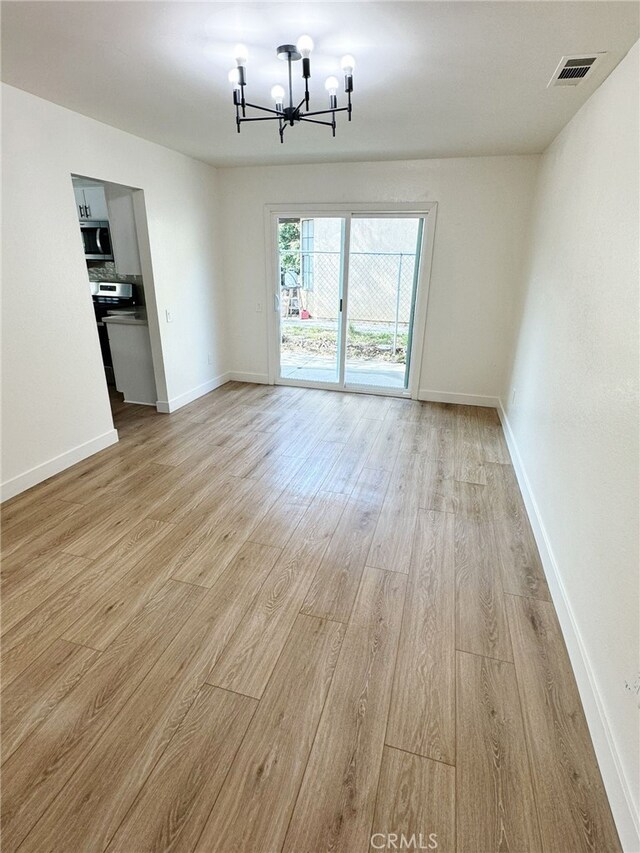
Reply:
x=379, y=309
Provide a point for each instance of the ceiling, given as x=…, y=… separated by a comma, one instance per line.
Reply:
x=433, y=79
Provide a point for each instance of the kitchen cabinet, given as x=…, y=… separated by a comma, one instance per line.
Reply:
x=112, y=203
x=132, y=360
x=91, y=203
x=122, y=223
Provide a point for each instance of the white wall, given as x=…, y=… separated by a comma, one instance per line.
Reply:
x=575, y=415
x=483, y=214
x=55, y=405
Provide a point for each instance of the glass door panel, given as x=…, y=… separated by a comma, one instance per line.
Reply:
x=311, y=261
x=384, y=255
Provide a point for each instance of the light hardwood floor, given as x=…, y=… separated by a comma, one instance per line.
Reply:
x=289, y=619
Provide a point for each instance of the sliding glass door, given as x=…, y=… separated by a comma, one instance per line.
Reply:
x=383, y=263
x=346, y=300
x=310, y=263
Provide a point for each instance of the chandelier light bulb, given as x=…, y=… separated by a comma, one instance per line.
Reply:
x=305, y=46
x=277, y=93
x=234, y=78
x=331, y=85
x=241, y=54
x=347, y=64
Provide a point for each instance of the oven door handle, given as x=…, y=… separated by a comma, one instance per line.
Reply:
x=98, y=243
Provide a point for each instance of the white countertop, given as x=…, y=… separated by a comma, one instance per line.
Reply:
x=124, y=320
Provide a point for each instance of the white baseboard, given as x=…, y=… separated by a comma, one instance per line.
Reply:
x=257, y=378
x=36, y=475
x=423, y=394
x=617, y=788
x=462, y=399
x=167, y=406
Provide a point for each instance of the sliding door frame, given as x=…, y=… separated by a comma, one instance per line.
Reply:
x=273, y=212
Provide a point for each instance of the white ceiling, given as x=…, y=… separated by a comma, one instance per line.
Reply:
x=433, y=79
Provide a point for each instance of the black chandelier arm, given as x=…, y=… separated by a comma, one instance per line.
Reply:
x=264, y=109
x=260, y=118
x=315, y=121
x=325, y=112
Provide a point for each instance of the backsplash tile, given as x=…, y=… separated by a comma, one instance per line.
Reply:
x=106, y=271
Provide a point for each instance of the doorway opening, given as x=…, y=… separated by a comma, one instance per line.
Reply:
x=113, y=228
x=347, y=288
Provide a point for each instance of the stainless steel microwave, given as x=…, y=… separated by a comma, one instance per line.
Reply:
x=96, y=237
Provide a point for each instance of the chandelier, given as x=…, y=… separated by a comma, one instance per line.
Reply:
x=288, y=116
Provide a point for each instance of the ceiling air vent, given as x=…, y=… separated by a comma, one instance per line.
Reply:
x=572, y=70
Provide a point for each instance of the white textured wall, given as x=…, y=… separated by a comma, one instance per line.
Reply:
x=483, y=215
x=575, y=375
x=53, y=390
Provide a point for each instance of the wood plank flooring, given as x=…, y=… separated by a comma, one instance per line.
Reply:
x=284, y=619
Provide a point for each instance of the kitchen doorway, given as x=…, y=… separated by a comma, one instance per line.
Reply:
x=349, y=286
x=112, y=224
